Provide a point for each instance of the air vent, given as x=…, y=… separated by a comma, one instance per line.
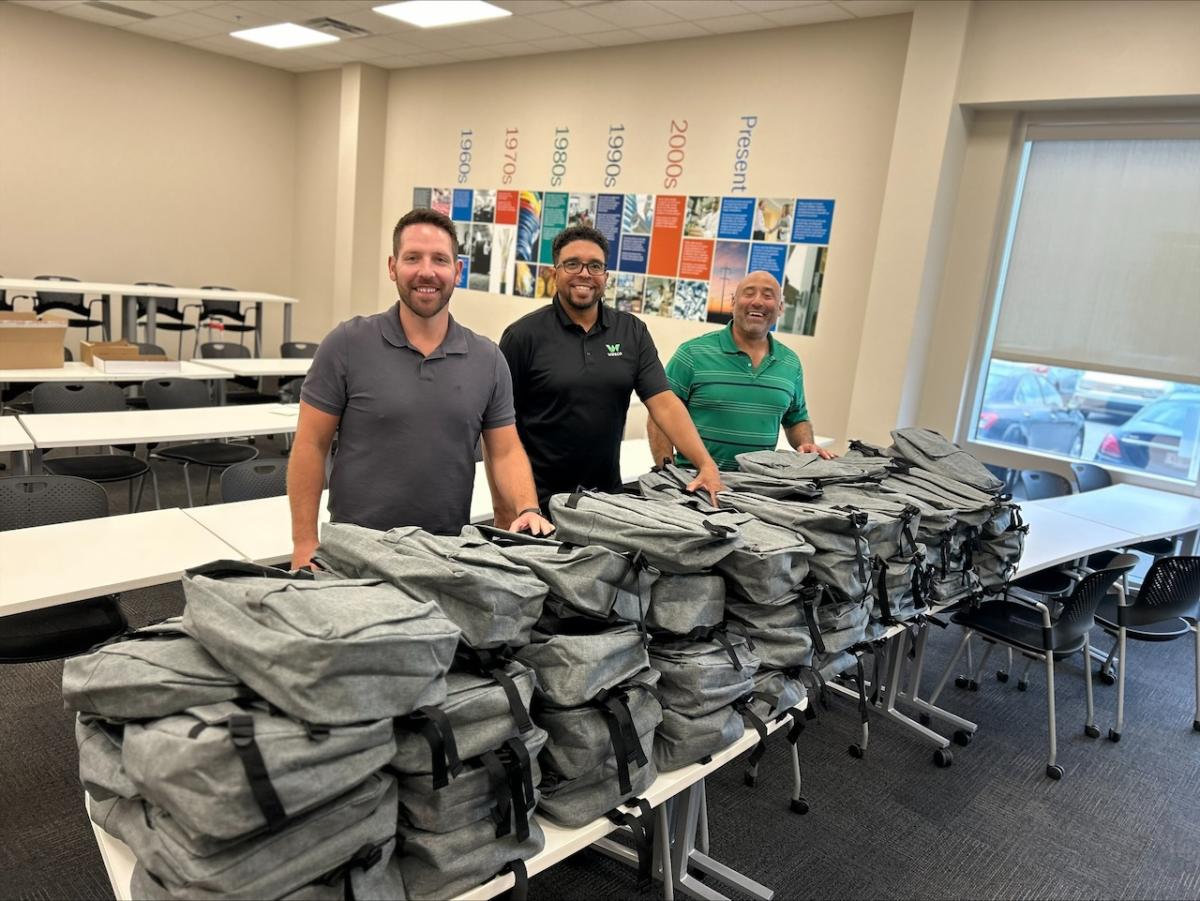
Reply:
x=336, y=27
x=119, y=10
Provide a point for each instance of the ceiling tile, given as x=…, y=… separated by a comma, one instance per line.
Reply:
x=471, y=54
x=388, y=45
x=808, y=15
x=516, y=49
x=276, y=9
x=431, y=59
x=527, y=7
x=517, y=28
x=699, y=9
x=563, y=42
x=671, y=31
x=631, y=14
x=614, y=38
x=762, y=6
x=191, y=5
x=94, y=14
x=570, y=21
x=730, y=24
x=337, y=9
x=47, y=5
x=180, y=27
x=149, y=7
x=865, y=8
x=240, y=17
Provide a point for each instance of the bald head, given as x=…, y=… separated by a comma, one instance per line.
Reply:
x=756, y=305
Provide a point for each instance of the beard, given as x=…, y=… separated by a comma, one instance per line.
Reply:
x=424, y=307
x=568, y=297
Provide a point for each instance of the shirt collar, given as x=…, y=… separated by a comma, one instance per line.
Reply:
x=728, y=346
x=455, y=341
x=603, y=321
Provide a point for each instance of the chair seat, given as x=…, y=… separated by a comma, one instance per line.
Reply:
x=173, y=326
x=1167, y=630
x=62, y=631
x=1156, y=547
x=1014, y=624
x=1046, y=581
x=97, y=467
x=208, y=453
x=228, y=326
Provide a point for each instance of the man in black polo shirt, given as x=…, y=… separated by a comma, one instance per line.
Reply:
x=574, y=365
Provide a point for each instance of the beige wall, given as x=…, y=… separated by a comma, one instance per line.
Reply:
x=131, y=159
x=826, y=100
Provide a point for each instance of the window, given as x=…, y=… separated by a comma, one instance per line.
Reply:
x=1092, y=350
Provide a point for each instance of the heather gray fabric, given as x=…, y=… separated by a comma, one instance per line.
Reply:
x=770, y=486
x=1001, y=543
x=469, y=797
x=874, y=458
x=267, y=866
x=328, y=651
x=592, y=580
x=929, y=450
x=672, y=537
x=812, y=468
x=189, y=766
x=573, y=664
x=682, y=740
x=156, y=671
x=441, y=865
x=681, y=603
x=100, y=768
x=841, y=554
x=775, y=693
x=699, y=677
x=479, y=713
x=576, y=802
x=840, y=624
x=780, y=633
x=493, y=600
x=372, y=879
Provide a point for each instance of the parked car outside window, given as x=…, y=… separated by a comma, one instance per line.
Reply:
x=1161, y=438
x=1023, y=409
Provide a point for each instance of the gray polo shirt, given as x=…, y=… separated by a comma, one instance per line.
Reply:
x=409, y=423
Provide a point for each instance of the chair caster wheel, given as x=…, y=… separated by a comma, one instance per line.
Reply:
x=961, y=681
x=1114, y=736
x=1001, y=676
x=942, y=758
x=1196, y=725
x=1022, y=685
x=962, y=737
x=972, y=685
x=1054, y=771
x=800, y=806
x=1091, y=731
x=924, y=719
x=749, y=780
x=856, y=752
x=1106, y=677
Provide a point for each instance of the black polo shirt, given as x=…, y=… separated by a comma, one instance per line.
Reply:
x=571, y=390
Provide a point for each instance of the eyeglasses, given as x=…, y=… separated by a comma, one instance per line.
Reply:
x=574, y=267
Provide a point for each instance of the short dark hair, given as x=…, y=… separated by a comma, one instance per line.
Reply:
x=425, y=217
x=578, y=233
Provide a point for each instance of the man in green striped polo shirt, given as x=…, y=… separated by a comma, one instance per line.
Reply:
x=739, y=384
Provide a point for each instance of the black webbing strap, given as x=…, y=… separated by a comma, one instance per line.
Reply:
x=719, y=530
x=723, y=640
x=520, y=889
x=222, y=569
x=498, y=775
x=881, y=592
x=793, y=734
x=906, y=520
x=643, y=838
x=742, y=706
x=515, y=705
x=241, y=730
x=364, y=858
x=626, y=746
x=877, y=678
x=739, y=629
x=515, y=757
x=616, y=737
x=862, y=686
x=647, y=575
x=814, y=631
x=573, y=500
x=436, y=728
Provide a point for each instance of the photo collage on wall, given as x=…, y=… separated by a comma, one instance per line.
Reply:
x=670, y=255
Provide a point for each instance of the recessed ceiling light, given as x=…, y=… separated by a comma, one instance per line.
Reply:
x=435, y=13
x=284, y=36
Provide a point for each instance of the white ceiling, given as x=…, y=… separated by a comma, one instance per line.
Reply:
x=536, y=26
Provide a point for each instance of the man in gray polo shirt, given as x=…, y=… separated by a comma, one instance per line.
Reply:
x=409, y=392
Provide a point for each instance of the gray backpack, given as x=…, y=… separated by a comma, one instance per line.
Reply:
x=591, y=581
x=101, y=769
x=228, y=770
x=776, y=693
x=680, y=604
x=324, y=651
x=1000, y=544
x=598, y=754
x=574, y=663
x=683, y=740
x=779, y=632
x=928, y=450
x=672, y=537
x=701, y=676
x=156, y=671
x=806, y=467
x=270, y=865
x=771, y=486
x=494, y=600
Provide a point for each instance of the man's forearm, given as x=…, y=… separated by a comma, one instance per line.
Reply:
x=661, y=448
x=511, y=481
x=801, y=433
x=306, y=480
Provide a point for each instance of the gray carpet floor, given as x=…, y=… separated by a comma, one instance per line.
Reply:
x=1123, y=823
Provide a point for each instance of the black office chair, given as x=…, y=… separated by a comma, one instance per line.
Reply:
x=223, y=350
x=289, y=388
x=93, y=397
x=214, y=456
x=71, y=302
x=226, y=315
x=167, y=315
x=1003, y=473
x=255, y=479
x=66, y=629
x=5, y=304
x=1037, y=485
x=1025, y=625
x=1166, y=607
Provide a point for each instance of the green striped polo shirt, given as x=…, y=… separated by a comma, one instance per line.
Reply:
x=737, y=408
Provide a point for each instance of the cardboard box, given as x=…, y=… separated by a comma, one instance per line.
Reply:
x=112, y=350
x=27, y=342
x=144, y=366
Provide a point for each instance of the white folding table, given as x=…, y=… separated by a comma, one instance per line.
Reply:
x=14, y=439
x=259, y=530
x=1148, y=513
x=75, y=371
x=261, y=367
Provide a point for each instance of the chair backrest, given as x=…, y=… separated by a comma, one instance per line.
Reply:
x=1038, y=484
x=59, y=300
x=223, y=350
x=27, y=501
x=1089, y=476
x=1003, y=473
x=68, y=357
x=1079, y=610
x=144, y=348
x=229, y=308
x=163, y=306
x=175, y=394
x=298, y=350
x=82, y=397
x=1170, y=589
x=5, y=306
x=254, y=479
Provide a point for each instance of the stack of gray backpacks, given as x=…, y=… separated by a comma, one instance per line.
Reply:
x=468, y=766
x=241, y=750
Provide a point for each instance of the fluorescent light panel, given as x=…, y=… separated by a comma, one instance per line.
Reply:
x=284, y=36
x=437, y=13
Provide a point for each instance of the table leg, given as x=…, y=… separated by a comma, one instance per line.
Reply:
x=258, y=329
x=151, y=313
x=106, y=316
x=287, y=322
x=34, y=466
x=129, y=318
x=685, y=855
x=220, y=391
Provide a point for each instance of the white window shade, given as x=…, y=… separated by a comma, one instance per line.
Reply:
x=1104, y=267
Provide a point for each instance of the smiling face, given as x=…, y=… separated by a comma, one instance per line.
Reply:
x=424, y=269
x=581, y=290
x=756, y=305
